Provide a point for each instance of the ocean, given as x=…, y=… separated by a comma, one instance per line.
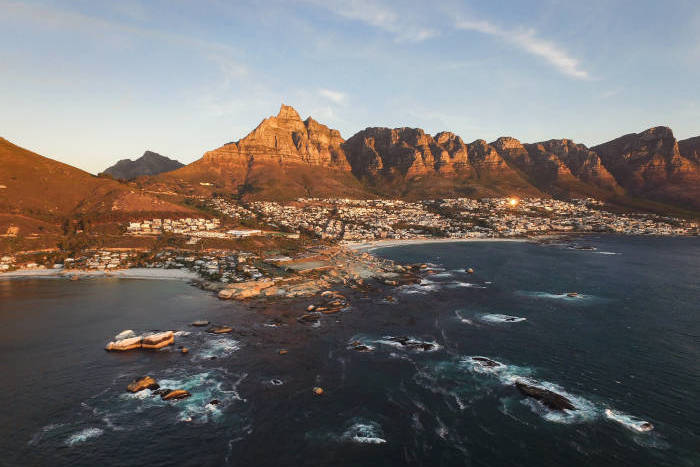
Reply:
x=403, y=369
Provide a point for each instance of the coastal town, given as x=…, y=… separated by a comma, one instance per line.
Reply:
x=350, y=220
x=339, y=224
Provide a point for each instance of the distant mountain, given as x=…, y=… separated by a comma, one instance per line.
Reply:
x=150, y=163
x=39, y=188
x=285, y=158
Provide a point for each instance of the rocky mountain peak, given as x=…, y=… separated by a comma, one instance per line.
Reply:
x=287, y=112
x=507, y=143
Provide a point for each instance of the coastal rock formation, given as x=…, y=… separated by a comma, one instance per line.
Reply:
x=149, y=341
x=150, y=163
x=649, y=164
x=175, y=394
x=140, y=384
x=158, y=341
x=549, y=398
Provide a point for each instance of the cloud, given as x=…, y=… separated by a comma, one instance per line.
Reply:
x=335, y=96
x=527, y=40
x=402, y=26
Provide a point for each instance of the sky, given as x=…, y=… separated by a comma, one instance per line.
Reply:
x=89, y=82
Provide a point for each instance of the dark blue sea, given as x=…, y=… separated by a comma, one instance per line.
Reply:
x=625, y=350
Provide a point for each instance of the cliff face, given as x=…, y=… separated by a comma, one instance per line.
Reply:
x=283, y=140
x=410, y=152
x=150, y=163
x=650, y=164
x=690, y=149
x=398, y=152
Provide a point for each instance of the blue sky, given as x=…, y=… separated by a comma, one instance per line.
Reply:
x=89, y=82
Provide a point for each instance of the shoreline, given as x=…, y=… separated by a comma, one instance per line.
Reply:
x=388, y=243
x=133, y=273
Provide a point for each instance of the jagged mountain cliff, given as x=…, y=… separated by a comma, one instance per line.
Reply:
x=150, y=163
x=649, y=165
x=283, y=158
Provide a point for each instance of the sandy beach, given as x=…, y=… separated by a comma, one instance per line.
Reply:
x=134, y=273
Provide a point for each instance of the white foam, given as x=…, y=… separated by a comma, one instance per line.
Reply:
x=411, y=343
x=607, y=253
x=463, y=319
x=181, y=333
x=84, y=435
x=219, y=347
x=465, y=284
x=629, y=421
x=365, y=433
x=499, y=318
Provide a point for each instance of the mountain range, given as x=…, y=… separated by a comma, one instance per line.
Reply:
x=286, y=157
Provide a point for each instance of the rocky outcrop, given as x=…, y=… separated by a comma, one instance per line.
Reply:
x=140, y=384
x=649, y=164
x=150, y=163
x=148, y=341
x=175, y=394
x=549, y=398
x=283, y=140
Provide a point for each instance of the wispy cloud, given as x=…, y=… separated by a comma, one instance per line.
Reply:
x=334, y=96
x=527, y=40
x=375, y=14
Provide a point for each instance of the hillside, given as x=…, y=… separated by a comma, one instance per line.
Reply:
x=36, y=190
x=150, y=163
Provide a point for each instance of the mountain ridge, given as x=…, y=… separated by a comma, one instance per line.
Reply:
x=150, y=163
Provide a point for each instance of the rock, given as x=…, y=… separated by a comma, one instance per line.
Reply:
x=308, y=318
x=487, y=362
x=140, y=384
x=245, y=290
x=184, y=350
x=127, y=334
x=157, y=341
x=310, y=307
x=470, y=271
x=412, y=344
x=214, y=402
x=572, y=294
x=125, y=344
x=283, y=351
x=318, y=391
x=161, y=392
x=200, y=323
x=220, y=329
x=175, y=394
x=550, y=399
